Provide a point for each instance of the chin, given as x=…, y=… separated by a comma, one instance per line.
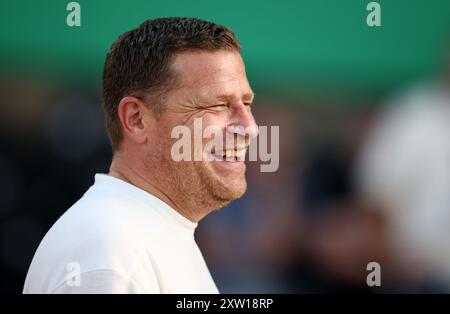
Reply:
x=223, y=185
x=230, y=190
x=223, y=197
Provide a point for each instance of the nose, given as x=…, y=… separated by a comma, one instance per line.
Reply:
x=245, y=124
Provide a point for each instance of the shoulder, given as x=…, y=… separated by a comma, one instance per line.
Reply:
x=102, y=235
x=105, y=218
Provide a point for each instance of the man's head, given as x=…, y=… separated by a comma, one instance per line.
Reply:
x=166, y=73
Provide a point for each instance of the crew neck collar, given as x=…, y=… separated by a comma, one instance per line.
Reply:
x=120, y=186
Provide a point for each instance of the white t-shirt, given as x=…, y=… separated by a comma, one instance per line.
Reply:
x=119, y=239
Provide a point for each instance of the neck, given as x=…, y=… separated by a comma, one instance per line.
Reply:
x=120, y=169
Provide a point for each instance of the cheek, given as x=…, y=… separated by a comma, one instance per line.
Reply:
x=217, y=119
x=162, y=138
x=214, y=125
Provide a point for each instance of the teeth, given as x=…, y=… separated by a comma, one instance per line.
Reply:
x=231, y=155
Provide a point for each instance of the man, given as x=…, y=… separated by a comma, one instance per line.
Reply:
x=133, y=230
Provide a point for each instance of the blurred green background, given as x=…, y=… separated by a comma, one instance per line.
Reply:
x=312, y=42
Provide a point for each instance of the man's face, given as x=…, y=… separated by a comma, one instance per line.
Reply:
x=212, y=86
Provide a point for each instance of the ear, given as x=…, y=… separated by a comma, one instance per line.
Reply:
x=133, y=116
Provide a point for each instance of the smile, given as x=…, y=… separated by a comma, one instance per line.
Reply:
x=230, y=155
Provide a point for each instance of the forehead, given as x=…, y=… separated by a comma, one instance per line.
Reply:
x=207, y=72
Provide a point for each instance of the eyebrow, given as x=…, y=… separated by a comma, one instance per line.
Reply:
x=225, y=97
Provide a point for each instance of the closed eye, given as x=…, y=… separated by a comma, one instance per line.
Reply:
x=220, y=105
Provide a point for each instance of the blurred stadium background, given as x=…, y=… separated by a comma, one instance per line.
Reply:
x=364, y=117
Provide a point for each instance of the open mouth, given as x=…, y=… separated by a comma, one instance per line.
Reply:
x=233, y=155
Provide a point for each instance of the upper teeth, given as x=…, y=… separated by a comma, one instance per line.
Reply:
x=240, y=153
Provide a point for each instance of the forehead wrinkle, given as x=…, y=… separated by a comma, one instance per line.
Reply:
x=188, y=67
x=217, y=80
x=211, y=83
x=208, y=91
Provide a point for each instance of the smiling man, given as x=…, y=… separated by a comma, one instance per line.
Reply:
x=133, y=230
